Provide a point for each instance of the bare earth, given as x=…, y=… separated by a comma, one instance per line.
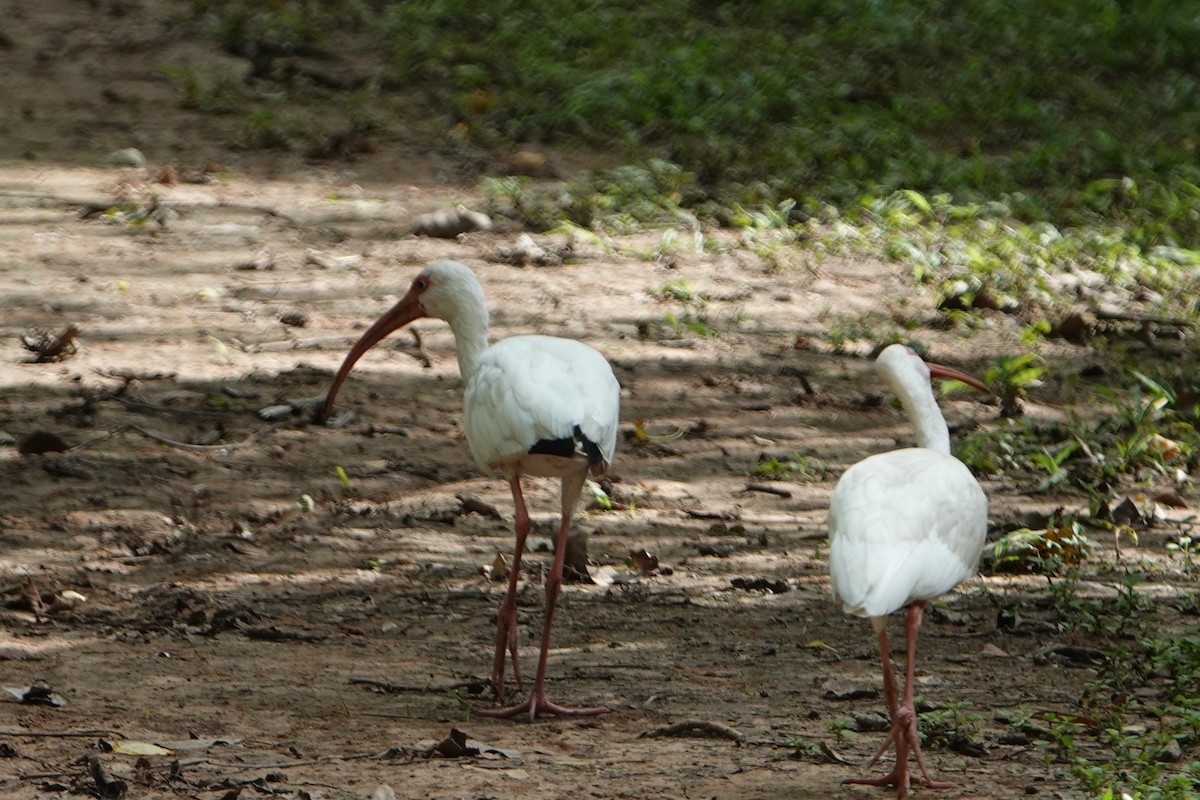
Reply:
x=236, y=589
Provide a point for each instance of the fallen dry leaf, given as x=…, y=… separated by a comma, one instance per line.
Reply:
x=39, y=694
x=51, y=347
x=498, y=571
x=645, y=562
x=129, y=747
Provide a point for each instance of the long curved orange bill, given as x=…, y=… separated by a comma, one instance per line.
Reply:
x=940, y=371
x=399, y=315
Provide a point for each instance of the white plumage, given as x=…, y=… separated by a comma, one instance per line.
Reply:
x=905, y=527
x=527, y=389
x=533, y=405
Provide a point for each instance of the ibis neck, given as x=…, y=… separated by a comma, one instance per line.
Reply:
x=927, y=421
x=470, y=339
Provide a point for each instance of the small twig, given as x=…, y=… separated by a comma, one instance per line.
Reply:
x=273, y=633
x=425, y=360
x=200, y=448
x=390, y=688
x=1128, y=316
x=129, y=375
x=400, y=688
x=297, y=344
x=143, y=407
x=725, y=516
x=766, y=489
x=696, y=728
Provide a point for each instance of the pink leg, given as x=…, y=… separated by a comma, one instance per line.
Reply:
x=506, y=616
x=537, y=702
x=903, y=735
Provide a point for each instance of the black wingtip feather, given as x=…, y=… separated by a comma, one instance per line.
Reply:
x=565, y=448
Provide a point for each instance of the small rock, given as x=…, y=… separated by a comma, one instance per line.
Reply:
x=871, y=722
x=40, y=442
x=277, y=412
x=264, y=259
x=328, y=261
x=1171, y=752
x=842, y=689
x=449, y=224
x=127, y=157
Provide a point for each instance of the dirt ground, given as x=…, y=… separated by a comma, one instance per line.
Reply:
x=238, y=591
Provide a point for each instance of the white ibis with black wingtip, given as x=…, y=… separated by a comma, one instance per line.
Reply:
x=905, y=527
x=533, y=405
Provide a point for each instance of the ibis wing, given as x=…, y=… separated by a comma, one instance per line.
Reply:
x=529, y=389
x=905, y=525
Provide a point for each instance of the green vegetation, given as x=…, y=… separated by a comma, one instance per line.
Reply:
x=1069, y=112
x=793, y=467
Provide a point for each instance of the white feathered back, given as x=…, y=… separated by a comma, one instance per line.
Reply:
x=904, y=525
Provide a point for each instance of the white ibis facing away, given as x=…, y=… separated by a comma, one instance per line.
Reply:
x=905, y=527
x=534, y=405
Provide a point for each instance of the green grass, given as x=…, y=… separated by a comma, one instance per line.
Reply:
x=1070, y=111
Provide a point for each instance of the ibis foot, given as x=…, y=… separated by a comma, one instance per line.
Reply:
x=905, y=739
x=536, y=705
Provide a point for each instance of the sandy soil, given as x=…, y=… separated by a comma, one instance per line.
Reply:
x=238, y=591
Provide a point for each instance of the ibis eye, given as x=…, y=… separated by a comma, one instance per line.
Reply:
x=421, y=284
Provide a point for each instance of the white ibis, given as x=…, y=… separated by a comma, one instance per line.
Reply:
x=905, y=527
x=533, y=405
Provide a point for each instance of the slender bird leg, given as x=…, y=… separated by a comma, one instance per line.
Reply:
x=903, y=735
x=506, y=616
x=537, y=702
x=890, y=693
x=914, y=626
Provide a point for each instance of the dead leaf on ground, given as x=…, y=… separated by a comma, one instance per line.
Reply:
x=1128, y=512
x=51, y=347
x=575, y=562
x=760, y=584
x=498, y=571
x=39, y=694
x=1170, y=500
x=458, y=744
x=107, y=786
x=832, y=754
x=840, y=689
x=130, y=747
x=645, y=563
